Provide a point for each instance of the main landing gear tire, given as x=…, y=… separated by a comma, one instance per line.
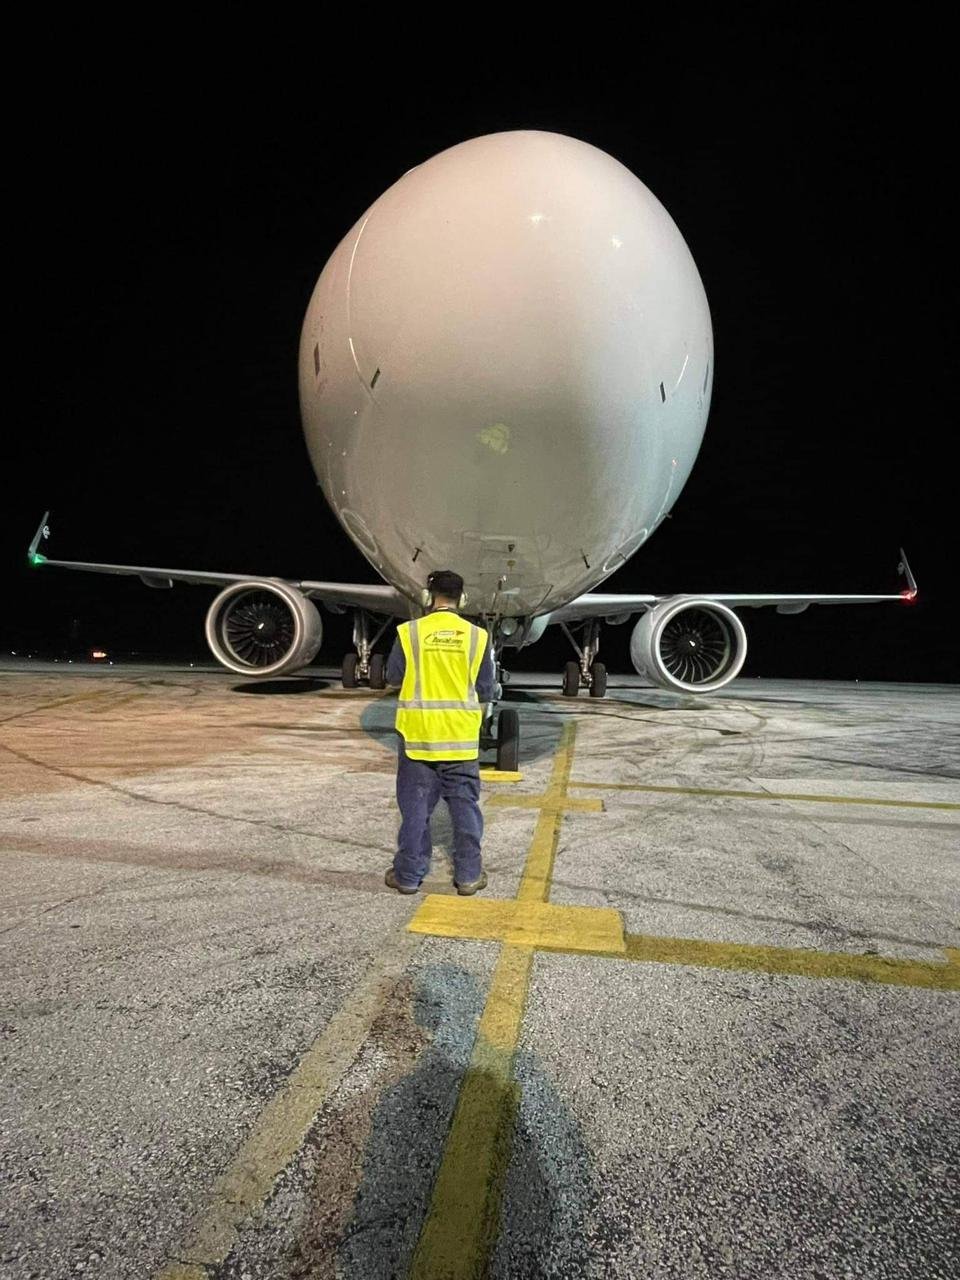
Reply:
x=348, y=672
x=508, y=741
x=571, y=680
x=598, y=685
x=378, y=674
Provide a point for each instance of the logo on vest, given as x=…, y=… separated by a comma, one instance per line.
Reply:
x=445, y=640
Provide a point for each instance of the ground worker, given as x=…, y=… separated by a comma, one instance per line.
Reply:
x=445, y=671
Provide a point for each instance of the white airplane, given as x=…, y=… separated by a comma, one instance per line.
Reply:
x=505, y=369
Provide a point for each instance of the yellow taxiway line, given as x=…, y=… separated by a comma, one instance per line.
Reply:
x=760, y=795
x=792, y=961
x=538, y=868
x=462, y=1219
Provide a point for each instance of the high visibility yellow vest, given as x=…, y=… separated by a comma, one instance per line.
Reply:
x=438, y=712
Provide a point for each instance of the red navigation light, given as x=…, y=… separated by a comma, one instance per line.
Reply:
x=909, y=595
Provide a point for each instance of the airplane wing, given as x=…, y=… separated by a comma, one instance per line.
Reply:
x=375, y=597
x=597, y=604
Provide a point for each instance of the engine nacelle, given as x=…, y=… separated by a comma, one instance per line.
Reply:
x=691, y=645
x=264, y=628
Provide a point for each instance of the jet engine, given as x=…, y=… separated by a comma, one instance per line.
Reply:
x=265, y=628
x=691, y=645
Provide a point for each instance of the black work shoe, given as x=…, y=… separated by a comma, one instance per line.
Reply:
x=472, y=886
x=390, y=880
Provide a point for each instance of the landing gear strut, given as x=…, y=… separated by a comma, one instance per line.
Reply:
x=588, y=672
x=364, y=666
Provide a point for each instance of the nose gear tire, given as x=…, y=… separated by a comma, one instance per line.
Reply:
x=508, y=741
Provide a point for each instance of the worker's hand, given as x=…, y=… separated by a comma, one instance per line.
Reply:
x=497, y=691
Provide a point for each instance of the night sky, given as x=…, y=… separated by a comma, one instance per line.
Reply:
x=170, y=222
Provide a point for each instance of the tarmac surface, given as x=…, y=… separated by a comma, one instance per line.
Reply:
x=704, y=1021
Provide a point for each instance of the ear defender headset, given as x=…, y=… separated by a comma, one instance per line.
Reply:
x=426, y=595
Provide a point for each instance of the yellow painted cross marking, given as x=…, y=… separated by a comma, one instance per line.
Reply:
x=765, y=795
x=598, y=931
x=531, y=924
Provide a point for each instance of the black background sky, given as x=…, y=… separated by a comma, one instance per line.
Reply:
x=175, y=201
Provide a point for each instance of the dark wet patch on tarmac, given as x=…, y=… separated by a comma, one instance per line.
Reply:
x=280, y=688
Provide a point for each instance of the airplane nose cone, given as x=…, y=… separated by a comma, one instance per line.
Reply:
x=517, y=331
x=500, y=300
x=518, y=273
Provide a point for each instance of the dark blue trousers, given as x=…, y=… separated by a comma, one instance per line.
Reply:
x=420, y=784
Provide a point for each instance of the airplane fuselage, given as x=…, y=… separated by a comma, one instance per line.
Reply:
x=505, y=369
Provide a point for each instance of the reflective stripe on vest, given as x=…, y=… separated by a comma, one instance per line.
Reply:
x=438, y=712
x=422, y=704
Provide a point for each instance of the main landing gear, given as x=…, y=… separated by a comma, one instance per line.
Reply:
x=364, y=666
x=588, y=672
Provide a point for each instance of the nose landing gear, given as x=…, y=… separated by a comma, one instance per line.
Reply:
x=506, y=739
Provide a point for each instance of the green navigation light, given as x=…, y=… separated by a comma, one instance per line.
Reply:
x=36, y=558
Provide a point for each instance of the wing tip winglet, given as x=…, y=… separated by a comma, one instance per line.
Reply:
x=909, y=593
x=33, y=555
